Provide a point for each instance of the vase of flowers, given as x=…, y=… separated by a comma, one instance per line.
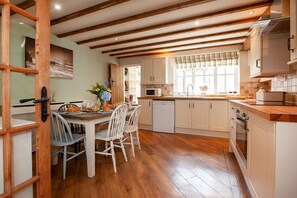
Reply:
x=102, y=92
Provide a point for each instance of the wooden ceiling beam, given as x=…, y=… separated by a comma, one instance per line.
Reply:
x=190, y=30
x=86, y=11
x=176, y=51
x=151, y=13
x=178, y=40
x=24, y=5
x=183, y=45
x=185, y=20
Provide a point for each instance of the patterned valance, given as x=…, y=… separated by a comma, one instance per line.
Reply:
x=207, y=60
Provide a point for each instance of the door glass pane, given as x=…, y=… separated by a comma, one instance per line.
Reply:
x=0, y=100
x=1, y=166
x=23, y=156
x=22, y=42
x=22, y=87
x=28, y=191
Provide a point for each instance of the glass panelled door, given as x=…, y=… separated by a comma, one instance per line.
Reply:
x=24, y=143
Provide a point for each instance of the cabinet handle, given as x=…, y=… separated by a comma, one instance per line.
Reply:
x=289, y=43
x=258, y=63
x=189, y=105
x=210, y=105
x=149, y=103
x=150, y=78
x=232, y=118
x=193, y=105
x=153, y=78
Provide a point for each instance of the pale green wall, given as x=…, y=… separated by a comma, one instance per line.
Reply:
x=90, y=66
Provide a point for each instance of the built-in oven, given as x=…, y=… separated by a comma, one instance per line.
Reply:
x=242, y=134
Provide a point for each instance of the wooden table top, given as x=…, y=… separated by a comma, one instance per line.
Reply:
x=269, y=112
x=89, y=115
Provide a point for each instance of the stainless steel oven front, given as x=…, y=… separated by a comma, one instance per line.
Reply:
x=241, y=135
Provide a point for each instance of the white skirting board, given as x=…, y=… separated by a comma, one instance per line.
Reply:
x=220, y=134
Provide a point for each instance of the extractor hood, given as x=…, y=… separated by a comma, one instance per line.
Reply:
x=278, y=19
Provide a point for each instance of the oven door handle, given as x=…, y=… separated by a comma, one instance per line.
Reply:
x=242, y=122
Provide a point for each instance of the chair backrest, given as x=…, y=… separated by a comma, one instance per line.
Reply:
x=117, y=122
x=64, y=107
x=133, y=119
x=60, y=129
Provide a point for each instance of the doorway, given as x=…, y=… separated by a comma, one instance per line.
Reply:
x=132, y=84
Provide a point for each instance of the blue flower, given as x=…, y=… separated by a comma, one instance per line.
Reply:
x=105, y=95
x=107, y=83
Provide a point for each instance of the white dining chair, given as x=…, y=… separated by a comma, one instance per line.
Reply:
x=114, y=132
x=131, y=127
x=62, y=136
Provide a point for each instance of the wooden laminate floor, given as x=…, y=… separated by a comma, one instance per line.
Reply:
x=166, y=166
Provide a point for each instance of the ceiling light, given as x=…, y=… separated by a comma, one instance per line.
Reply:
x=197, y=22
x=57, y=7
x=251, y=12
x=116, y=38
x=21, y=23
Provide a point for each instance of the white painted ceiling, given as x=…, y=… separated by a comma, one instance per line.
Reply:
x=133, y=7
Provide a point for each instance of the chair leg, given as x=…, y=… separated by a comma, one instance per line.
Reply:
x=113, y=157
x=132, y=144
x=137, y=137
x=64, y=162
x=106, y=146
x=123, y=149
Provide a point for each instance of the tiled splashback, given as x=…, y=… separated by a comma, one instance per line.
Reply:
x=286, y=83
x=167, y=89
x=249, y=89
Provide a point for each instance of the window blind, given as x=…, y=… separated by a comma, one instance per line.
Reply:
x=207, y=60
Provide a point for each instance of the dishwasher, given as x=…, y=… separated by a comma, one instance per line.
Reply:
x=163, y=116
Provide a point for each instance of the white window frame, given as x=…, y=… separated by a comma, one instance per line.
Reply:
x=236, y=79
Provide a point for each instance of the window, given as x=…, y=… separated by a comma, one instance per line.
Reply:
x=220, y=80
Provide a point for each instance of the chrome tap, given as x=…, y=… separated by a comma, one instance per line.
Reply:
x=188, y=89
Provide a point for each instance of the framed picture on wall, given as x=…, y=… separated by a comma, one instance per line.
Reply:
x=61, y=59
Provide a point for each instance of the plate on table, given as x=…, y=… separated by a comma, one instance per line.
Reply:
x=105, y=112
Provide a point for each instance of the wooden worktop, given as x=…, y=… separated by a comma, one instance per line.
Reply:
x=193, y=97
x=272, y=113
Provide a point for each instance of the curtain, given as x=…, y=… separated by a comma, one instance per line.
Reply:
x=207, y=60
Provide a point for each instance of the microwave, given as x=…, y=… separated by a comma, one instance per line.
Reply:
x=153, y=92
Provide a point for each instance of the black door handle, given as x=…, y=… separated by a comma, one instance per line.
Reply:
x=43, y=100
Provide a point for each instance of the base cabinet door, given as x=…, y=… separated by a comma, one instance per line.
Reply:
x=260, y=160
x=183, y=113
x=218, y=115
x=146, y=111
x=200, y=114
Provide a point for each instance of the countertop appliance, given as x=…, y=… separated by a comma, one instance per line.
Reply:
x=241, y=133
x=153, y=92
x=273, y=98
x=163, y=116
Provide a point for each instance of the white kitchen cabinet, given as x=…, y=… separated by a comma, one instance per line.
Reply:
x=260, y=159
x=146, y=111
x=183, y=114
x=218, y=115
x=146, y=71
x=293, y=29
x=154, y=71
x=200, y=114
x=269, y=53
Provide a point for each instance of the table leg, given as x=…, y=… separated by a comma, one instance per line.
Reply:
x=90, y=148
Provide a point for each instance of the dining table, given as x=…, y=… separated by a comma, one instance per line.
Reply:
x=90, y=120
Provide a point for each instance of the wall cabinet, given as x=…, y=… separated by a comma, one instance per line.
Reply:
x=154, y=71
x=146, y=109
x=269, y=53
x=201, y=114
x=293, y=29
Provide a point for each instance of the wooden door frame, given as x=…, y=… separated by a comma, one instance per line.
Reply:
x=43, y=176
